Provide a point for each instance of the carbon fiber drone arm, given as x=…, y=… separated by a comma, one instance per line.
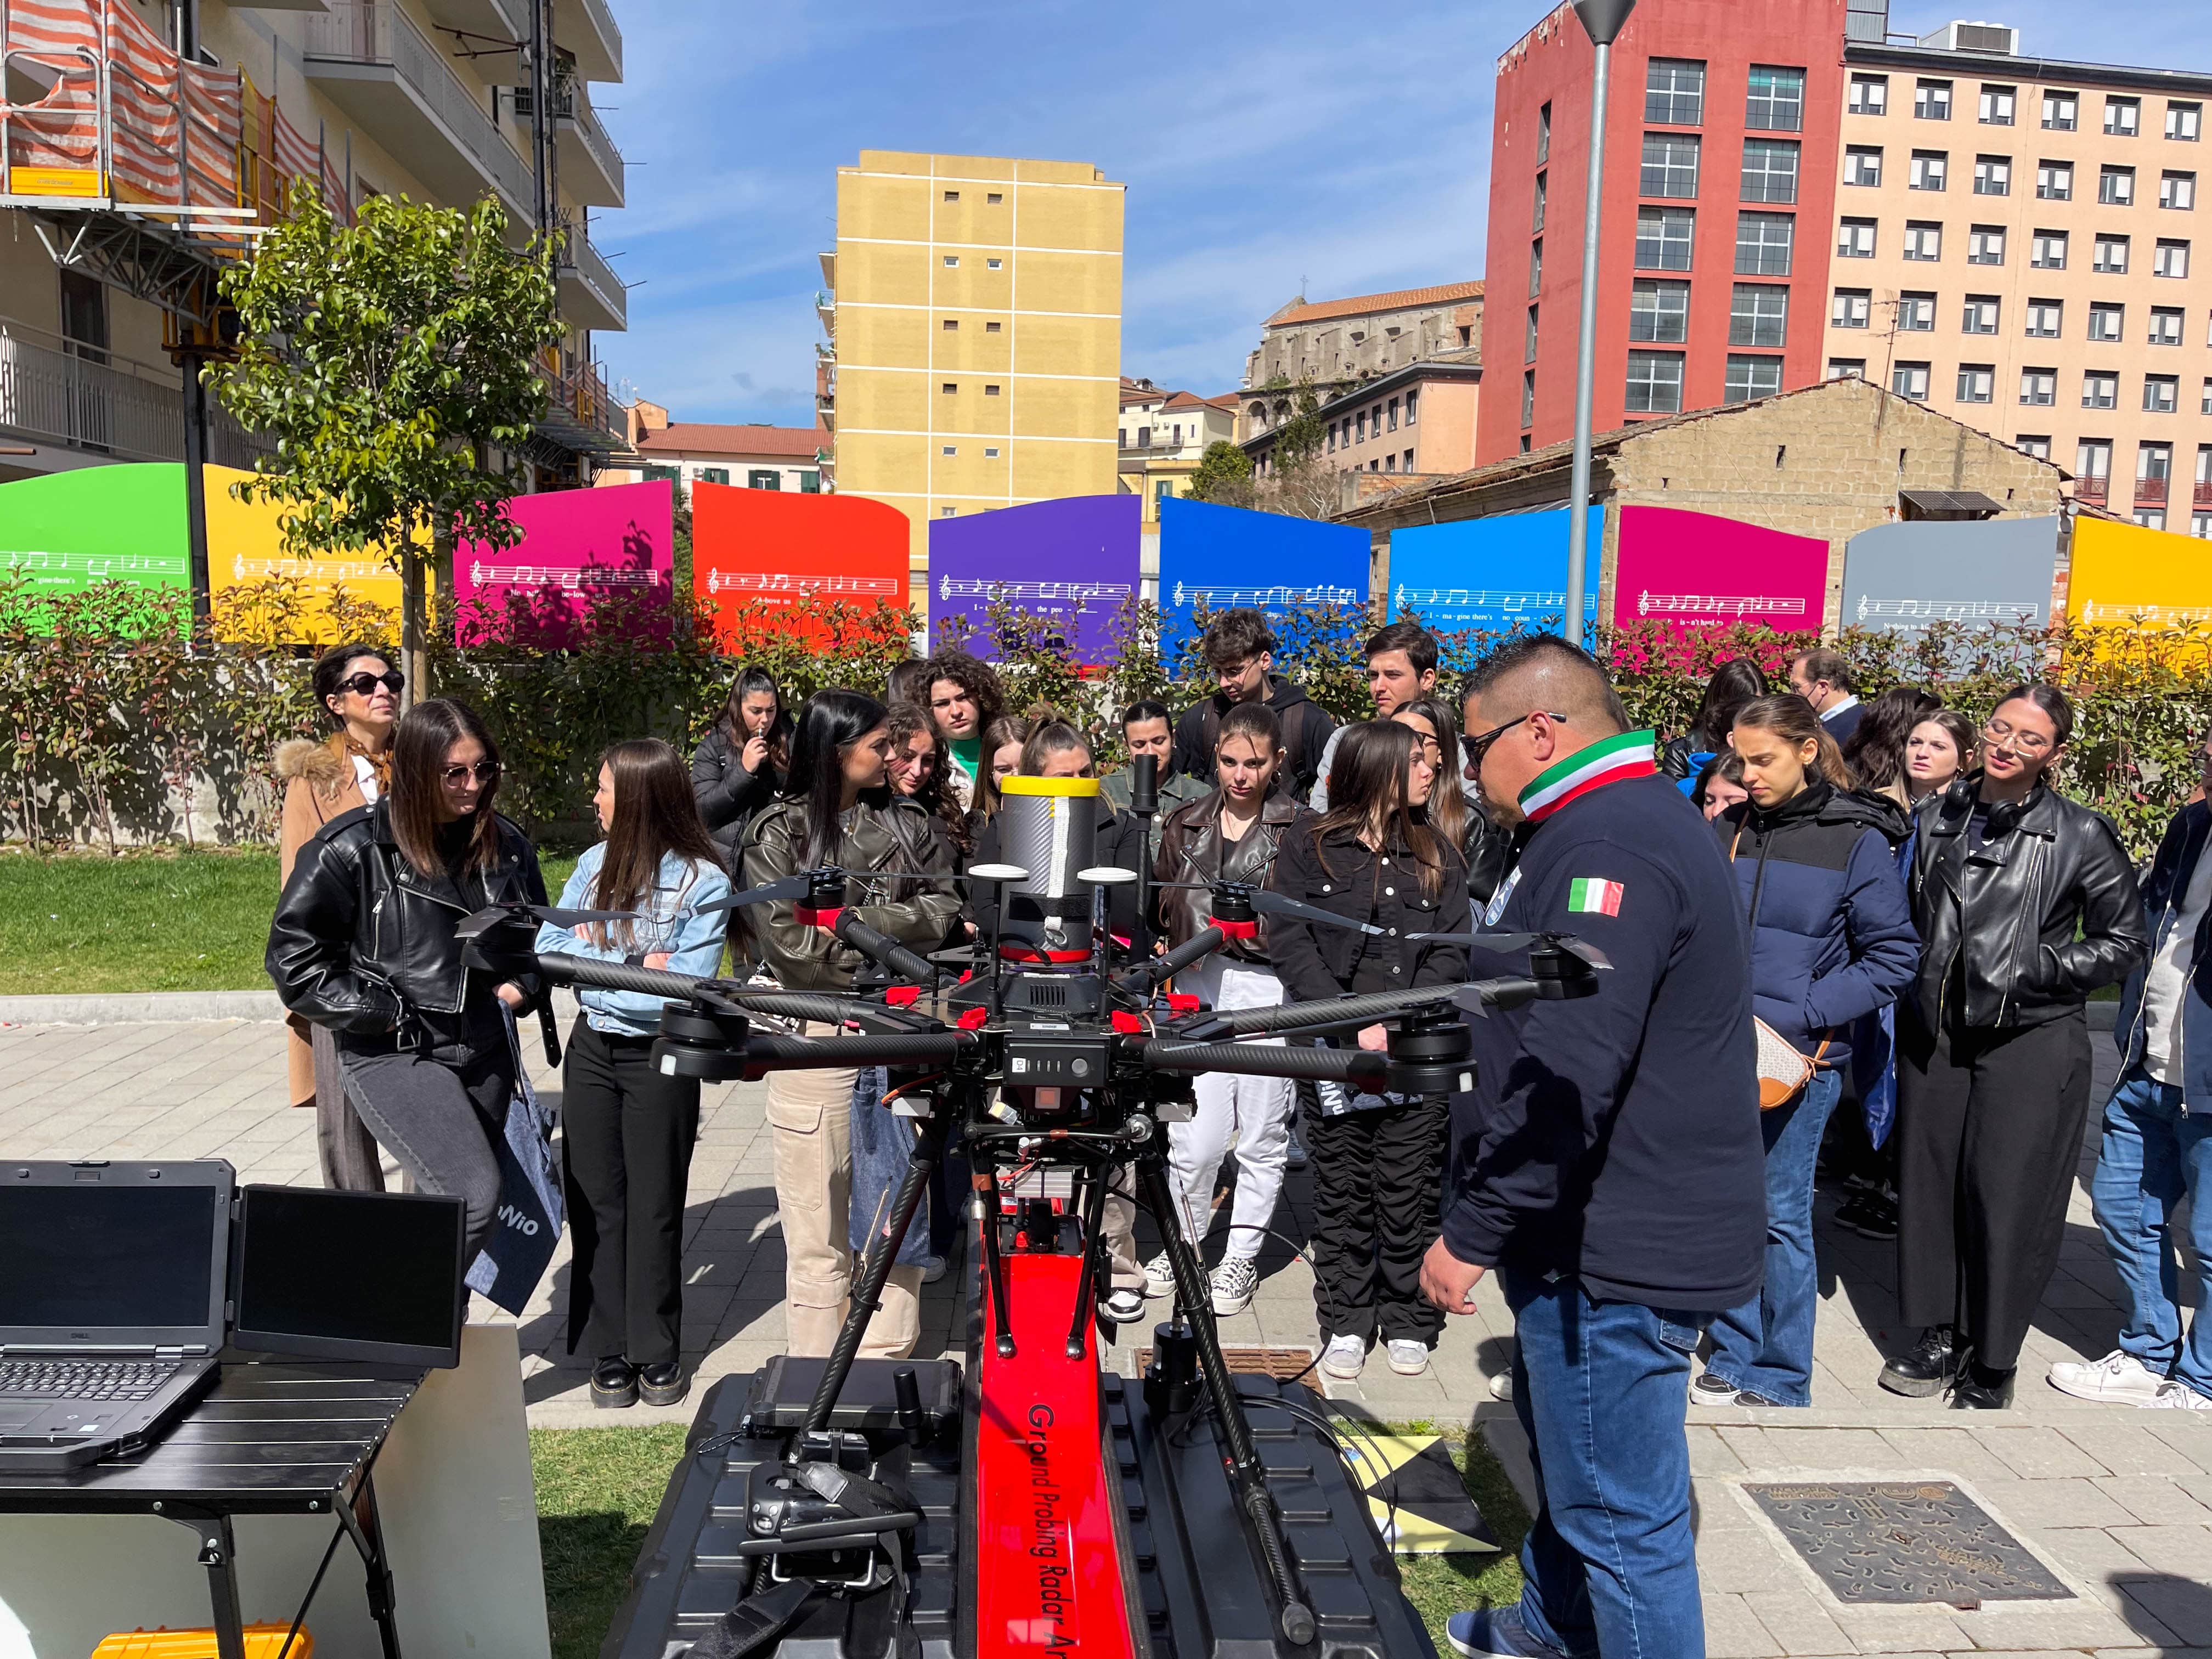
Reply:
x=682, y=988
x=1347, y=1010
x=1353, y=1066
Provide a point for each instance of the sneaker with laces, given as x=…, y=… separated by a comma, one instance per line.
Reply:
x=1495, y=1633
x=1344, y=1358
x=2175, y=1396
x=1408, y=1357
x=1159, y=1276
x=1710, y=1390
x=1123, y=1307
x=2118, y=1379
x=1234, y=1281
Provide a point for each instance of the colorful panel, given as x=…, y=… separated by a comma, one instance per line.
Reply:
x=245, y=544
x=69, y=530
x=1899, y=578
x=1491, y=573
x=577, y=545
x=1222, y=558
x=756, y=554
x=1074, y=560
x=1698, y=571
x=2123, y=572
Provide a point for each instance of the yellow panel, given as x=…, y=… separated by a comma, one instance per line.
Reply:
x=245, y=546
x=1069, y=282
x=2123, y=572
x=1069, y=218
x=1068, y=345
x=887, y=273
x=897, y=208
x=868, y=338
x=894, y=402
x=54, y=181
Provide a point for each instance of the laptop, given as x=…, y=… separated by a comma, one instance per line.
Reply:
x=350, y=1276
x=112, y=1304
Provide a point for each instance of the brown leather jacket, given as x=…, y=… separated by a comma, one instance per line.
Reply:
x=1192, y=849
x=320, y=785
x=884, y=831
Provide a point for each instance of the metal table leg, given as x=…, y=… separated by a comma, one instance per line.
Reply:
x=360, y=1520
x=218, y=1554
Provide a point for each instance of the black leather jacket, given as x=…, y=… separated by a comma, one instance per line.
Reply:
x=729, y=795
x=883, y=831
x=1316, y=961
x=1193, y=850
x=1998, y=923
x=363, y=944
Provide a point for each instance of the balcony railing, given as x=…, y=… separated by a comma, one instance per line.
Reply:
x=609, y=56
x=2150, y=492
x=590, y=267
x=2203, y=497
x=595, y=142
x=61, y=393
x=2091, y=489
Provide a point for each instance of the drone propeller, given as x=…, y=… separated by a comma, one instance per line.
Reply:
x=805, y=882
x=1504, y=943
x=498, y=915
x=1268, y=902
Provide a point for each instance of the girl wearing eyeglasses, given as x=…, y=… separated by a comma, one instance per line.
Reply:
x=365, y=943
x=357, y=691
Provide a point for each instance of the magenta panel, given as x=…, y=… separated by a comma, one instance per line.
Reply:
x=1697, y=570
x=577, y=546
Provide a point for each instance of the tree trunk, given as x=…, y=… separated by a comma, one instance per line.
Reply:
x=411, y=626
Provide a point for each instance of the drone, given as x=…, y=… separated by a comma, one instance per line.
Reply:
x=1059, y=1069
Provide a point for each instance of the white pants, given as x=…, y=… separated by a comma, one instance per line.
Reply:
x=1252, y=1114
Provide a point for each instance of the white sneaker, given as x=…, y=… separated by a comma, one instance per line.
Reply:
x=1294, y=1152
x=2177, y=1397
x=1234, y=1281
x=2118, y=1379
x=1159, y=1276
x=1501, y=1386
x=1344, y=1358
x=1408, y=1357
x=1122, y=1306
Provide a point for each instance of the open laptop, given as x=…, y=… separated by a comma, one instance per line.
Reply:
x=114, y=1279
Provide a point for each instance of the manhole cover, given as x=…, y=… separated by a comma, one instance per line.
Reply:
x=1908, y=1540
x=1282, y=1364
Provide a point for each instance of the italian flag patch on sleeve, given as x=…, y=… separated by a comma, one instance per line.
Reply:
x=1588, y=896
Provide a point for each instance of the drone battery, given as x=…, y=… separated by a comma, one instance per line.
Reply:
x=783, y=1390
x=1049, y=827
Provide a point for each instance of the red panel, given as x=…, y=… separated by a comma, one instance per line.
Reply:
x=756, y=552
x=1049, y=1577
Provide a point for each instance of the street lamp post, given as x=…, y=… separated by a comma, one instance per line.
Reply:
x=1603, y=19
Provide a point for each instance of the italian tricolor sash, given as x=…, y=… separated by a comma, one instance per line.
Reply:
x=1630, y=755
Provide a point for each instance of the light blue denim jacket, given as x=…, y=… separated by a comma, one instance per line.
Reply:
x=670, y=920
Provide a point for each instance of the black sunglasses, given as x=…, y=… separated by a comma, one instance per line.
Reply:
x=364, y=684
x=455, y=776
x=1474, y=746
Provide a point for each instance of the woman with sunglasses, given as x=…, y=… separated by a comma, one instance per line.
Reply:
x=365, y=942
x=357, y=691
x=837, y=809
x=2026, y=902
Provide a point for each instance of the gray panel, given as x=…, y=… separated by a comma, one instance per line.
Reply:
x=1901, y=577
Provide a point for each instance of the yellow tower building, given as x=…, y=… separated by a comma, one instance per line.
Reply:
x=975, y=333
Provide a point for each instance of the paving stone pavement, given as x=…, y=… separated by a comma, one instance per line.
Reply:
x=2116, y=1502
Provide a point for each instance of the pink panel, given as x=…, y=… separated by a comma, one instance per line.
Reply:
x=580, y=548
x=1695, y=570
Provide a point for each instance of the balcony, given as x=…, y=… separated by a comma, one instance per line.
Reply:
x=586, y=27
x=825, y=307
x=487, y=19
x=828, y=271
x=590, y=165
x=375, y=65
x=2150, y=492
x=2203, y=496
x=2091, y=489
x=592, y=295
x=57, y=393
x=581, y=415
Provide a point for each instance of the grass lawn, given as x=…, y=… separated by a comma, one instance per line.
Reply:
x=597, y=1490
x=155, y=921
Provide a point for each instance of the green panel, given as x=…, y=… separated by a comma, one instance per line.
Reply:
x=69, y=530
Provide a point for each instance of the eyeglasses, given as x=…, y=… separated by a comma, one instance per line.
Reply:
x=2026, y=743
x=365, y=684
x=458, y=777
x=1475, y=747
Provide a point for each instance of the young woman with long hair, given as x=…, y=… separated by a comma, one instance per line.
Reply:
x=627, y=1131
x=837, y=809
x=1448, y=810
x=1377, y=1159
x=965, y=696
x=1876, y=750
x=357, y=691
x=1941, y=746
x=919, y=769
x=364, y=942
x=1734, y=683
x=1832, y=940
x=741, y=762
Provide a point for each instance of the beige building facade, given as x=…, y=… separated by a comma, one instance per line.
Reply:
x=1336, y=344
x=1163, y=436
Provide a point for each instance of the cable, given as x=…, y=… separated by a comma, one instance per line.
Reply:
x=313, y=1584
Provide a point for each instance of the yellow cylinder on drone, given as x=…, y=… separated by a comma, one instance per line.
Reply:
x=1077, y=788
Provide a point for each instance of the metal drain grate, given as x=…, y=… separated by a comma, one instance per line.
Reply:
x=1904, y=1541
x=1281, y=1364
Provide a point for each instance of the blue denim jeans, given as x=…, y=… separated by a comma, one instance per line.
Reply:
x=1766, y=1347
x=2154, y=1154
x=1610, y=1564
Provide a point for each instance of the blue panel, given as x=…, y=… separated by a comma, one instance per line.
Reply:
x=1491, y=573
x=1224, y=557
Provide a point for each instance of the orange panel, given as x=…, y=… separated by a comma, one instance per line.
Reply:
x=758, y=553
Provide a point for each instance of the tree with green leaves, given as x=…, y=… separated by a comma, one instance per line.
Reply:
x=386, y=358
x=1224, y=476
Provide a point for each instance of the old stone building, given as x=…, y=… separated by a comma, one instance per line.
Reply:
x=1336, y=344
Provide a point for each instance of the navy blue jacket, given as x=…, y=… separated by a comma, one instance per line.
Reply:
x=2169, y=879
x=1615, y=1138
x=1831, y=923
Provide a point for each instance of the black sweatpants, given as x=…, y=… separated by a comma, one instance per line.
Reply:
x=1378, y=1176
x=627, y=1134
x=1989, y=1133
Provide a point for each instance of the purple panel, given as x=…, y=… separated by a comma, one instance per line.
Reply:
x=1074, y=560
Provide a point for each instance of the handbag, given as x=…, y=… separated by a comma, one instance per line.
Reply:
x=1783, y=1071
x=530, y=1209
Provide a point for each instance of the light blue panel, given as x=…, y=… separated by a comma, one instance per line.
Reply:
x=1491, y=573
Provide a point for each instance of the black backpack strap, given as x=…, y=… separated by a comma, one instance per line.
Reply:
x=756, y=1625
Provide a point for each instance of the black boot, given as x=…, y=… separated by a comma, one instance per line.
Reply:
x=1929, y=1368
x=1981, y=1389
x=663, y=1385
x=614, y=1382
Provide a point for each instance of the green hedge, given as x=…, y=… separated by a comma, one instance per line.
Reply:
x=113, y=709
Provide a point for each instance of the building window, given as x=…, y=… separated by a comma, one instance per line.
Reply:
x=1931, y=100
x=990, y=391
x=994, y=198
x=720, y=475
x=1931, y=169
x=1664, y=236
x=1544, y=134
x=1776, y=99
x=1852, y=308
x=1413, y=405
x=1870, y=94
x=1924, y=239
x=2161, y=393
x=2108, y=322
x=1916, y=313
x=1769, y=170
x=1406, y=462
x=1910, y=381
x=1360, y=425
x=1528, y=340
x=2200, y=524
x=1655, y=383
x=2150, y=517
x=1670, y=165
x=1986, y=245
x=2205, y=407
x=1980, y=315
x=951, y=387
x=1977, y=382
x=2035, y=444
x=2122, y=117
x=1394, y=415
x=1758, y=315
x=947, y=511
x=952, y=195
x=2062, y=112
x=1674, y=92
x=2177, y=189
x=1536, y=227
x=1847, y=368
x=2100, y=391
x=2170, y=260
x=1535, y=267
x=2184, y=121
x=1992, y=175
x=1854, y=238
x=1332, y=438
x=993, y=265
x=2154, y=463
x=2165, y=325
x=2116, y=187
x=2054, y=181
x=1863, y=164
x=1659, y=311
x=1763, y=243
x=1528, y=399
x=2049, y=252
x=2045, y=319
x=951, y=259
x=1751, y=377
x=2038, y=387
x=1997, y=104
x=994, y=328
x=950, y=449
x=2112, y=257
x=765, y=479
x=810, y=482
x=2093, y=463
x=951, y=325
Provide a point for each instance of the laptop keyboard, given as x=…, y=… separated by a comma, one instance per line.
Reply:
x=85, y=1379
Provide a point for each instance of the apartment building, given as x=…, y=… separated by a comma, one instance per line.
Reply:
x=2018, y=244
x=752, y=455
x=975, y=327
x=144, y=140
x=1334, y=346
x=1163, y=435
x=1420, y=418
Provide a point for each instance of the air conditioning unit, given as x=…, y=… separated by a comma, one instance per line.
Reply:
x=1995, y=37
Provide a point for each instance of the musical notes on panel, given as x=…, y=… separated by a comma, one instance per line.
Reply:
x=1648, y=604
x=1908, y=612
x=799, y=584
x=2147, y=616
x=313, y=570
x=45, y=565
x=979, y=587
x=568, y=580
x=1221, y=596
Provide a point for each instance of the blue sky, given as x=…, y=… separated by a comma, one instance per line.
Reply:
x=1345, y=148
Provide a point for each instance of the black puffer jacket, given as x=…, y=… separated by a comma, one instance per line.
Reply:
x=1997, y=922
x=1316, y=961
x=729, y=795
x=363, y=944
x=1192, y=849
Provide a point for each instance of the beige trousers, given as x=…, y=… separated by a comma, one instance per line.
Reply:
x=810, y=1113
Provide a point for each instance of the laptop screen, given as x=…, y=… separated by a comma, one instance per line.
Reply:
x=91, y=1257
x=352, y=1275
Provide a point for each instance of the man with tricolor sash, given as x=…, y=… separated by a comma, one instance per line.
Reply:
x=1609, y=1165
